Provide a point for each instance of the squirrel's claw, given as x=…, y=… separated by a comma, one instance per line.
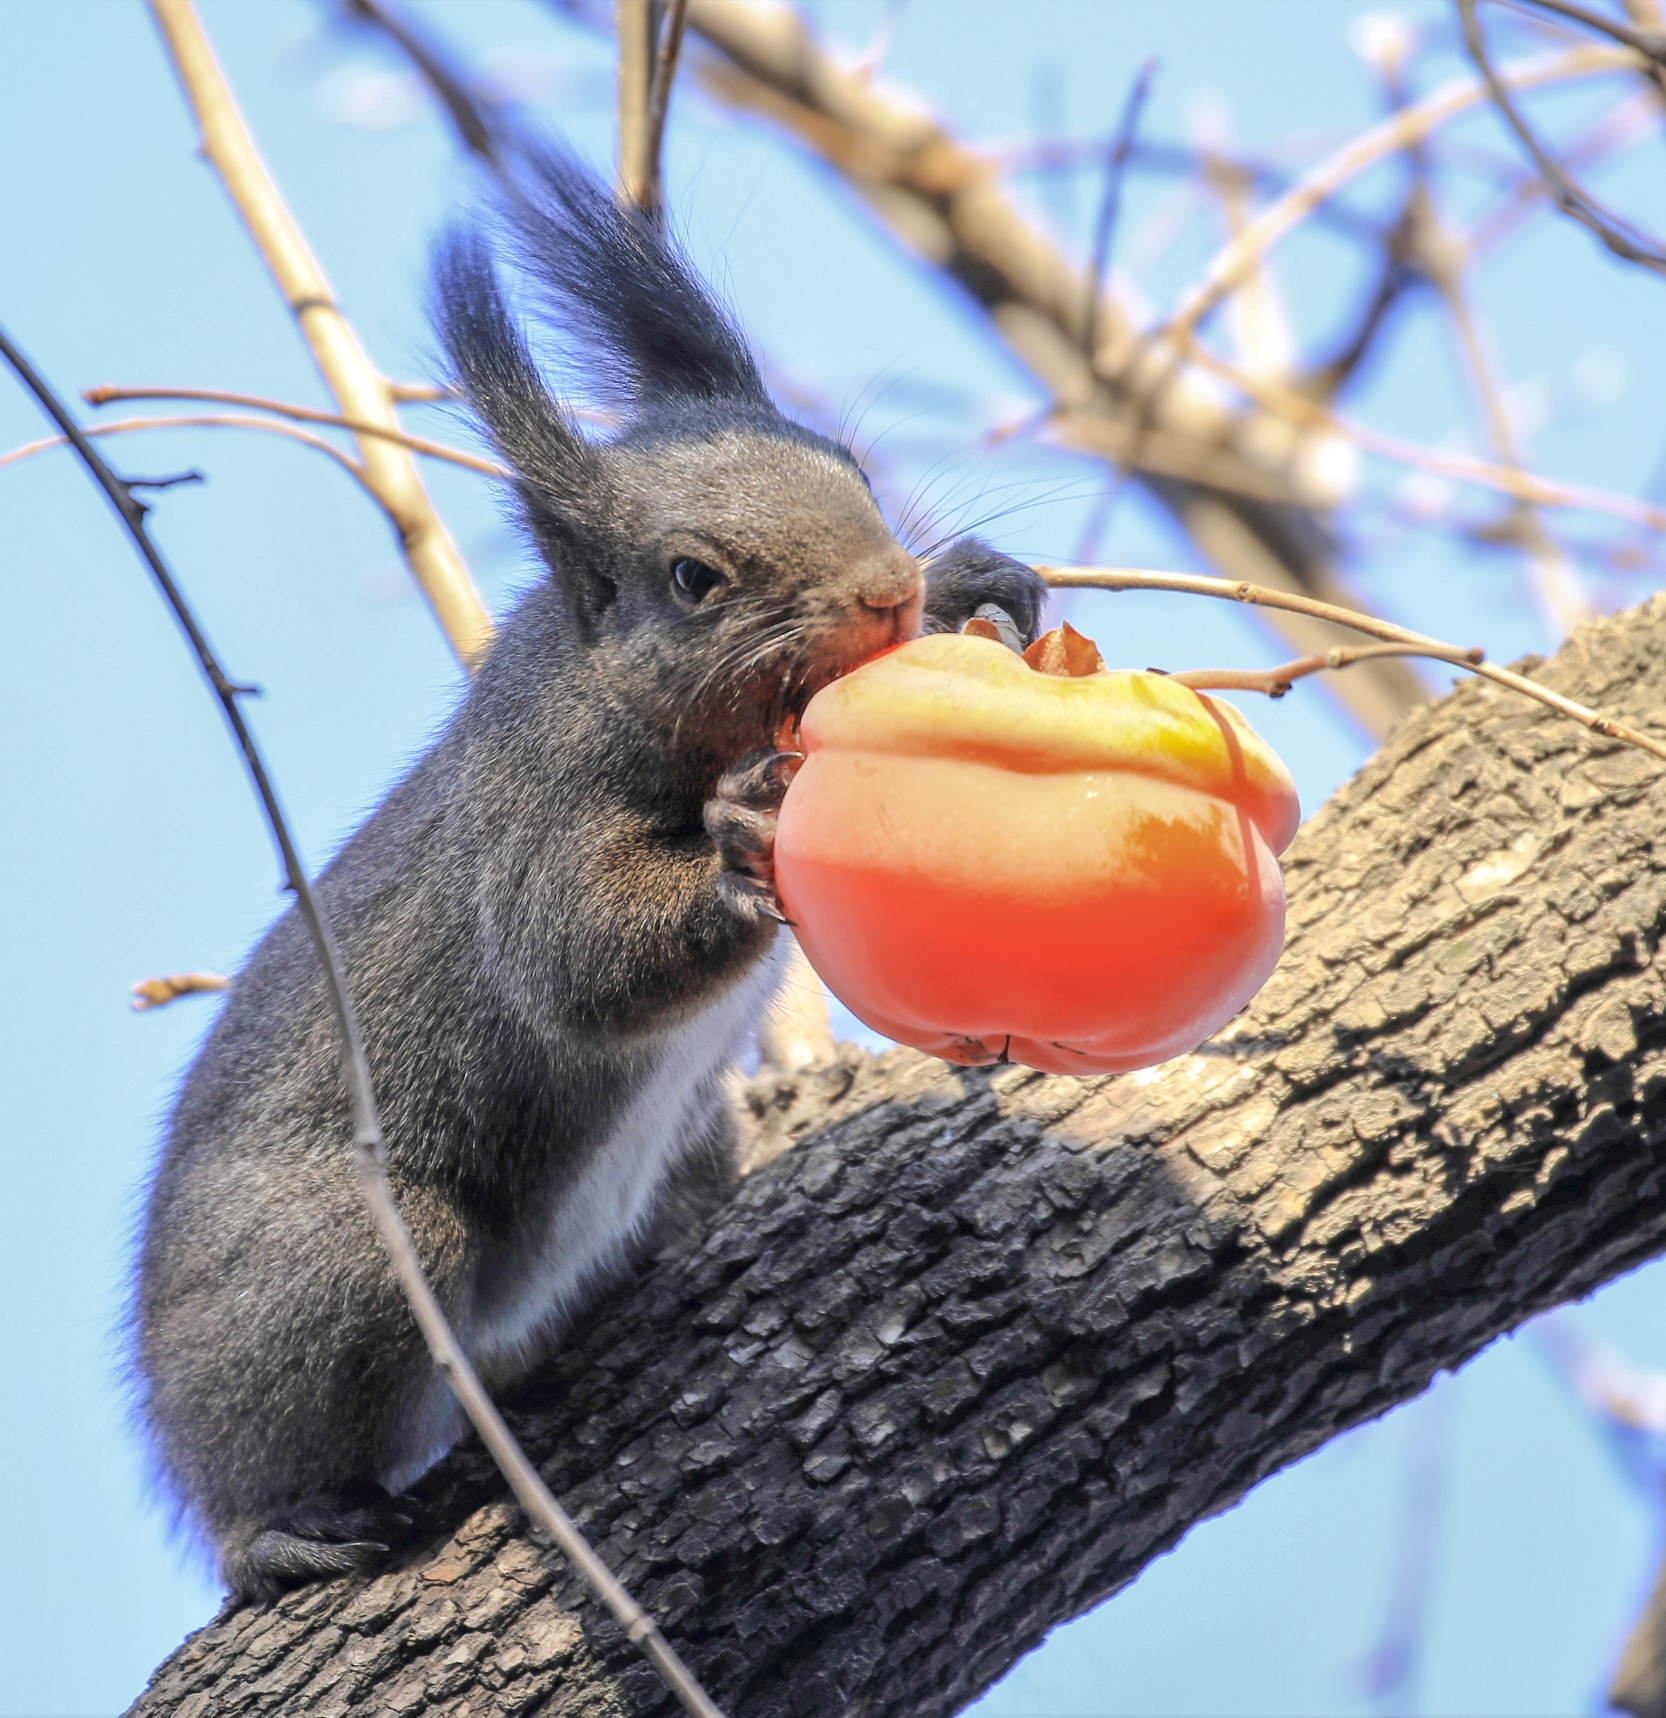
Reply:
x=740, y=818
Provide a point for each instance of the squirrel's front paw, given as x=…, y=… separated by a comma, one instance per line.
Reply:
x=740, y=818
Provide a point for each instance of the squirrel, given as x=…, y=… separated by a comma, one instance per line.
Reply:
x=559, y=928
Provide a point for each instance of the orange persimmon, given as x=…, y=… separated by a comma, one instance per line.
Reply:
x=1073, y=868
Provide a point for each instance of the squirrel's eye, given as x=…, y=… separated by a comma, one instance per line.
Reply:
x=694, y=579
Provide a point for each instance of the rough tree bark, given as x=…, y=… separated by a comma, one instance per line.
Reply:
x=969, y=1349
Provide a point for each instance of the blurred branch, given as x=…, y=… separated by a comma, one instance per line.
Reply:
x=1104, y=227
x=634, y=23
x=369, y=1148
x=650, y=38
x=1572, y=199
x=1387, y=137
x=1650, y=43
x=1634, y=119
x=1638, y=1685
x=1559, y=590
x=1193, y=584
x=1464, y=468
x=472, y=118
x=361, y=392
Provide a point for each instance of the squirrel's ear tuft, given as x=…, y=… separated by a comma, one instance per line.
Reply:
x=493, y=369
x=613, y=279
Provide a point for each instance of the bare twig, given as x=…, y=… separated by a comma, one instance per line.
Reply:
x=1275, y=682
x=1651, y=43
x=634, y=23
x=1464, y=468
x=659, y=97
x=1104, y=228
x=369, y=1149
x=105, y=394
x=1196, y=584
x=466, y=112
x=1389, y=136
x=159, y=992
x=360, y=390
x=1573, y=199
x=219, y=420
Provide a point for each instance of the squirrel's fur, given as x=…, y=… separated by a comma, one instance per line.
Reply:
x=557, y=929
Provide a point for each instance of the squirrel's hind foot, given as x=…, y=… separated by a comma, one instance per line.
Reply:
x=317, y=1540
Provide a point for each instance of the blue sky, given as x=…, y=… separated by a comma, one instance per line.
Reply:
x=132, y=847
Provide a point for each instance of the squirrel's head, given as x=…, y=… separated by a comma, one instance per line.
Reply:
x=716, y=561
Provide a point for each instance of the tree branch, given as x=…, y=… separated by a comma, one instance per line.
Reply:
x=1275, y=682
x=361, y=392
x=1414, y=643
x=1513, y=480
x=1617, y=235
x=195, y=420
x=105, y=394
x=1389, y=136
x=970, y=1348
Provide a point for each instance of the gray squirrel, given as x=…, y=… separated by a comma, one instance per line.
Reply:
x=559, y=929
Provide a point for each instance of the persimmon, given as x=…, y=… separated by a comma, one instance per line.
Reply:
x=1034, y=859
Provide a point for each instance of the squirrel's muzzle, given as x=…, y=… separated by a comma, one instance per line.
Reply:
x=893, y=593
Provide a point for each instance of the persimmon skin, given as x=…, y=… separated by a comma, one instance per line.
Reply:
x=993, y=864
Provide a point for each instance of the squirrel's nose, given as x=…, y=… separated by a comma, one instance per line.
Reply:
x=896, y=589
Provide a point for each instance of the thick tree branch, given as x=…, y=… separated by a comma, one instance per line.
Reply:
x=970, y=1348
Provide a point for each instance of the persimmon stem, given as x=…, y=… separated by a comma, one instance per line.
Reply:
x=1239, y=590
x=1275, y=682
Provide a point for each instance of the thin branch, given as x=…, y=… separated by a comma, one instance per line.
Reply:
x=105, y=394
x=1388, y=137
x=159, y=992
x=1275, y=682
x=1233, y=590
x=462, y=107
x=634, y=26
x=369, y=1148
x=360, y=390
x=1464, y=468
x=1546, y=557
x=1651, y=43
x=209, y=420
x=659, y=97
x=1104, y=228
x=1635, y=119
x=1572, y=199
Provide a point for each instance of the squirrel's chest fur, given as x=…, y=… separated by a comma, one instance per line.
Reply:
x=579, y=1227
